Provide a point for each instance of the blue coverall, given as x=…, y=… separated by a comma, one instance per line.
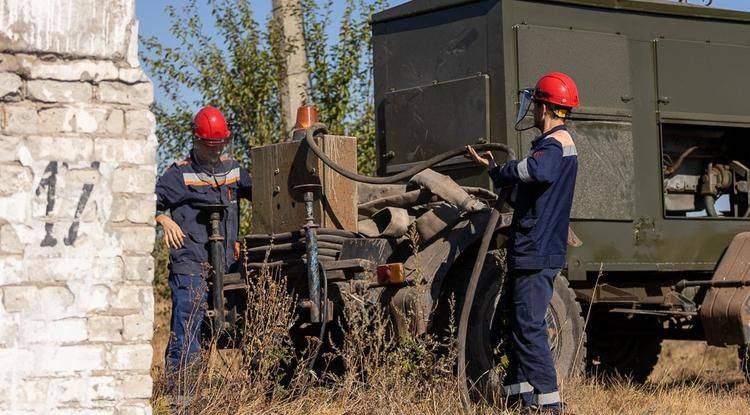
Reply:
x=545, y=182
x=183, y=186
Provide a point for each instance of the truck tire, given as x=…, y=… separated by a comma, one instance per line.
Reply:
x=486, y=335
x=626, y=355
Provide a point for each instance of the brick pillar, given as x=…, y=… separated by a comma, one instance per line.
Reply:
x=77, y=171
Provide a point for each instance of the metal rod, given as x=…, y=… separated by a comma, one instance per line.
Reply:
x=711, y=283
x=313, y=276
x=217, y=262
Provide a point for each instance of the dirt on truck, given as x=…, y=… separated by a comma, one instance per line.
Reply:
x=658, y=245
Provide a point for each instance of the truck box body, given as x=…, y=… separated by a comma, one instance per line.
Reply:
x=654, y=78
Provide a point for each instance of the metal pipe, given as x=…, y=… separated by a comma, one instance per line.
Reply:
x=290, y=247
x=299, y=234
x=217, y=262
x=710, y=202
x=313, y=276
x=680, y=286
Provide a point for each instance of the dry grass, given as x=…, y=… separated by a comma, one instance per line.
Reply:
x=383, y=378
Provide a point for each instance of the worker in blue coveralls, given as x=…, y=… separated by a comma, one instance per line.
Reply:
x=204, y=177
x=545, y=181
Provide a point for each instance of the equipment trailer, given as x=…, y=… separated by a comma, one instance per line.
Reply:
x=659, y=247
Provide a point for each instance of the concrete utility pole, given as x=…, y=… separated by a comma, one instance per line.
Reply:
x=294, y=80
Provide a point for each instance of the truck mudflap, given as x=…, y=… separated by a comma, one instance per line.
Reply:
x=725, y=312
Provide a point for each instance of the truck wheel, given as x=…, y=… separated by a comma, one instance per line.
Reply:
x=625, y=354
x=486, y=336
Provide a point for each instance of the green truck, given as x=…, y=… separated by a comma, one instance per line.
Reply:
x=657, y=249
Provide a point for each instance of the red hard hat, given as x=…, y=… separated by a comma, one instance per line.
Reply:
x=558, y=89
x=210, y=126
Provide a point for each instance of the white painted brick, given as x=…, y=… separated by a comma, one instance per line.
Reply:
x=115, y=122
x=18, y=119
x=136, y=239
x=105, y=328
x=125, y=151
x=69, y=330
x=142, y=409
x=132, y=75
x=17, y=361
x=131, y=57
x=130, y=297
x=139, y=268
x=133, y=208
x=103, y=387
x=10, y=87
x=12, y=270
x=61, y=148
x=10, y=243
x=140, y=123
x=134, y=180
x=101, y=408
x=89, y=298
x=120, y=93
x=28, y=394
x=93, y=270
x=44, y=302
x=138, y=327
x=9, y=147
x=83, y=389
x=14, y=178
x=73, y=70
x=136, y=386
x=130, y=357
x=72, y=120
x=15, y=207
x=9, y=63
x=61, y=359
x=57, y=91
x=8, y=333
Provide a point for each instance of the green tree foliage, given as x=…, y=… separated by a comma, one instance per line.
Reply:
x=229, y=60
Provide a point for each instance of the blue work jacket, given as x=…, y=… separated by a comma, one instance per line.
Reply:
x=545, y=182
x=184, y=186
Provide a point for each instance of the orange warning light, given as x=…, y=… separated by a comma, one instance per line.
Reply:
x=307, y=115
x=391, y=274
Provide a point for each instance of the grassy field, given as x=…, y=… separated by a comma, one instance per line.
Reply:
x=690, y=378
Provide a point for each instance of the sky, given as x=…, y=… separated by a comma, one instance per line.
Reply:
x=155, y=22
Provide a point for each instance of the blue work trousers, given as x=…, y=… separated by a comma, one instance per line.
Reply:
x=189, y=296
x=531, y=373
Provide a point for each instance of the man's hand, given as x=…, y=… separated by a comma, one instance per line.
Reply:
x=488, y=162
x=173, y=235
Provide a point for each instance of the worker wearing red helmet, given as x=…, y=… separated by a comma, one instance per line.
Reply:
x=545, y=181
x=203, y=177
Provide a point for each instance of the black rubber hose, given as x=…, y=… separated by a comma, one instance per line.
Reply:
x=463, y=322
x=483, y=247
x=406, y=174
